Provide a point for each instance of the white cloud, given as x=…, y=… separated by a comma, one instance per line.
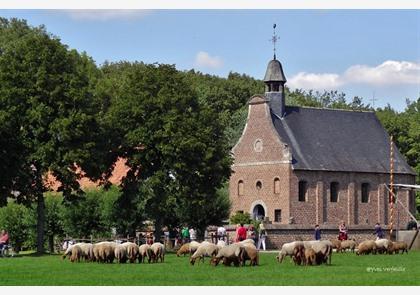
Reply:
x=314, y=81
x=106, y=14
x=203, y=59
x=389, y=72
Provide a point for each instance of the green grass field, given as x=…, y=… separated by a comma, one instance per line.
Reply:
x=346, y=269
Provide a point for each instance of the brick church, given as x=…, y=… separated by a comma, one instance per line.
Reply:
x=306, y=166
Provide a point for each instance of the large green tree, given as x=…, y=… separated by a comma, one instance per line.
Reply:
x=175, y=147
x=45, y=90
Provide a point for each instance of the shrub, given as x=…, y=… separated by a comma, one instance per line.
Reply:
x=20, y=222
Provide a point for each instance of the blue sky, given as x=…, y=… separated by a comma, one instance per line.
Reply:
x=360, y=52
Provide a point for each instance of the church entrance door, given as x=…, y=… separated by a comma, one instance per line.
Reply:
x=258, y=212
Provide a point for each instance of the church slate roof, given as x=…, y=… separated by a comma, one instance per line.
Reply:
x=337, y=140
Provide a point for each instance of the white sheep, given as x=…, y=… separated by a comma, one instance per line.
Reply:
x=132, y=251
x=205, y=249
x=143, y=250
x=194, y=246
x=230, y=254
x=382, y=245
x=288, y=250
x=323, y=251
x=156, y=251
x=120, y=252
x=87, y=251
x=221, y=244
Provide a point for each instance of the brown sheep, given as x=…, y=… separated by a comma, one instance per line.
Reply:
x=397, y=246
x=348, y=244
x=366, y=247
x=310, y=257
x=76, y=253
x=299, y=254
x=336, y=245
x=185, y=249
x=249, y=253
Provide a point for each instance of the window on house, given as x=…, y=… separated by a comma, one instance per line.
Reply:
x=334, y=192
x=365, y=192
x=276, y=186
x=258, y=185
x=302, y=190
x=240, y=188
x=277, y=215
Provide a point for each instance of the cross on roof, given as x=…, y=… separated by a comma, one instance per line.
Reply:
x=274, y=39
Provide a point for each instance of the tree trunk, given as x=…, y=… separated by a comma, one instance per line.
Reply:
x=40, y=224
x=51, y=243
x=158, y=230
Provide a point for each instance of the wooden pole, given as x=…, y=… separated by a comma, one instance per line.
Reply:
x=391, y=185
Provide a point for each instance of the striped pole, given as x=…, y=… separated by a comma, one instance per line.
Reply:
x=391, y=184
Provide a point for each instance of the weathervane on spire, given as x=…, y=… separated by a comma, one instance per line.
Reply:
x=274, y=39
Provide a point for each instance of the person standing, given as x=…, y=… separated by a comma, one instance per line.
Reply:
x=252, y=233
x=4, y=239
x=342, y=231
x=221, y=233
x=193, y=235
x=261, y=236
x=240, y=233
x=378, y=231
x=185, y=234
x=317, y=232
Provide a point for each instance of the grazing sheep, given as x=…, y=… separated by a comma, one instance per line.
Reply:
x=299, y=254
x=194, y=246
x=143, y=252
x=310, y=256
x=205, y=249
x=221, y=244
x=230, y=254
x=247, y=241
x=120, y=253
x=87, y=251
x=348, y=244
x=366, y=247
x=397, y=246
x=336, y=245
x=185, y=249
x=382, y=245
x=156, y=251
x=132, y=251
x=104, y=251
x=250, y=252
x=287, y=250
x=323, y=251
x=76, y=253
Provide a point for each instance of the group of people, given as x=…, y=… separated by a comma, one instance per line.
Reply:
x=343, y=235
x=242, y=233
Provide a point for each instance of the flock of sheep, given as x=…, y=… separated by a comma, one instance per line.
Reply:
x=318, y=252
x=301, y=252
x=107, y=252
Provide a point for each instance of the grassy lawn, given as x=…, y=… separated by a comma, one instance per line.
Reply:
x=346, y=269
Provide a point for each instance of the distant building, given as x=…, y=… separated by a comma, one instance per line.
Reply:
x=301, y=165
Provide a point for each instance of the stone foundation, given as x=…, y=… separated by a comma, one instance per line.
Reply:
x=279, y=234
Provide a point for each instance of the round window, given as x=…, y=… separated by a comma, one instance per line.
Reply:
x=258, y=185
x=258, y=145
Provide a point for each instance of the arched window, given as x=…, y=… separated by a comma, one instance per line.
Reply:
x=302, y=190
x=365, y=192
x=240, y=188
x=334, y=192
x=276, y=185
